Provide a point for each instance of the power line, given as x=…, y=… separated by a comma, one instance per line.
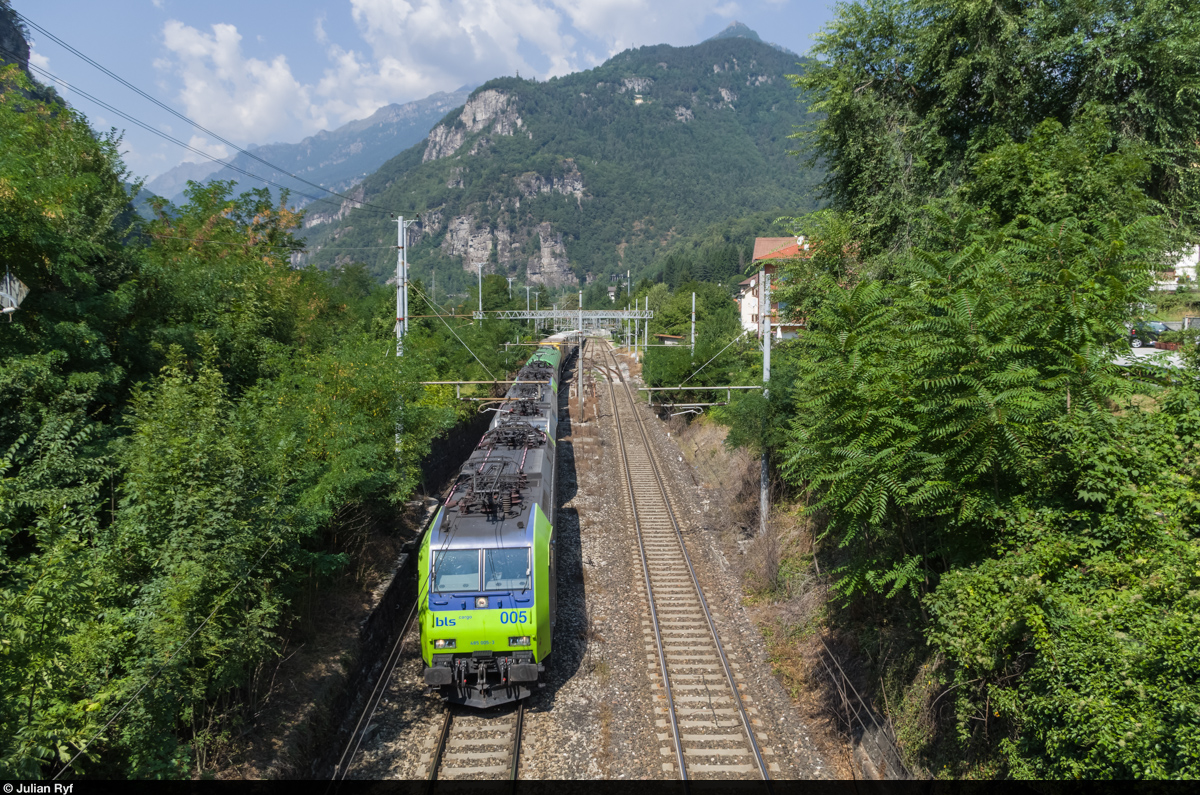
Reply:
x=710, y=361
x=195, y=124
x=433, y=306
x=153, y=130
x=265, y=245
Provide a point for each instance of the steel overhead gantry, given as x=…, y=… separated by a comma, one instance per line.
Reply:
x=728, y=390
x=560, y=319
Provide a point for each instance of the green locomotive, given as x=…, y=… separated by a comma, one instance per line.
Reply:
x=487, y=585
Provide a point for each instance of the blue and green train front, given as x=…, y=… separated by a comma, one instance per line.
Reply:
x=487, y=613
x=488, y=575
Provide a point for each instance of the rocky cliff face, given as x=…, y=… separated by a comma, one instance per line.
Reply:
x=569, y=184
x=550, y=267
x=596, y=171
x=498, y=249
x=13, y=47
x=486, y=108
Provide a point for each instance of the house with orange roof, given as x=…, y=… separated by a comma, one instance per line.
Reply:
x=769, y=254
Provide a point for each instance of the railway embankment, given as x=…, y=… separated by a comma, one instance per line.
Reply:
x=784, y=595
x=335, y=647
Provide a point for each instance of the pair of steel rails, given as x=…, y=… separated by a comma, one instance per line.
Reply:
x=650, y=512
x=639, y=516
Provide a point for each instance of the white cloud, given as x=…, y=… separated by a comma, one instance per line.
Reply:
x=157, y=3
x=414, y=48
x=36, y=59
x=444, y=43
x=621, y=24
x=217, y=150
x=39, y=60
x=246, y=99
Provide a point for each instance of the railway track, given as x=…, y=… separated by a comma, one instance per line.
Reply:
x=708, y=730
x=470, y=745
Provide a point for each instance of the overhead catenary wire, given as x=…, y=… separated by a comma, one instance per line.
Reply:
x=710, y=361
x=195, y=124
x=433, y=306
x=200, y=241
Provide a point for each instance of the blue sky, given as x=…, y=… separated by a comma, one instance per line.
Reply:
x=257, y=72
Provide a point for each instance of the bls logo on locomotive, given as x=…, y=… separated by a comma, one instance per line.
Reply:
x=438, y=621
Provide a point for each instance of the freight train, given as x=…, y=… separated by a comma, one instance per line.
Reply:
x=487, y=564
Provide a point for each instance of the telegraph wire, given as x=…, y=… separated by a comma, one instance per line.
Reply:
x=433, y=306
x=53, y=78
x=265, y=245
x=198, y=126
x=710, y=361
x=148, y=128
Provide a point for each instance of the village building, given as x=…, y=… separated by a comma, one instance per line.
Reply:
x=1183, y=275
x=769, y=254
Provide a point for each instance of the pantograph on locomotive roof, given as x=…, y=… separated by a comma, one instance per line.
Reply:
x=495, y=489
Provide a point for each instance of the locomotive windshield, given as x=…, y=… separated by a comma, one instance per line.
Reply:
x=456, y=570
x=506, y=569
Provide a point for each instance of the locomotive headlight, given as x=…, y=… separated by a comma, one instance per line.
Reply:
x=444, y=643
x=481, y=601
x=522, y=640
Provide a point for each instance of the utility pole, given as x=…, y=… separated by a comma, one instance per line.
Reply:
x=511, y=279
x=433, y=294
x=764, y=309
x=401, y=287
x=647, y=325
x=527, y=289
x=693, y=325
x=480, y=266
x=637, y=328
x=579, y=360
x=401, y=312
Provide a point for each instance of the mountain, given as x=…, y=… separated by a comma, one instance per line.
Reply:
x=595, y=172
x=737, y=30
x=173, y=181
x=336, y=159
x=13, y=46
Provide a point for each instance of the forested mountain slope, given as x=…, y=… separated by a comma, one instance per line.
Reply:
x=592, y=172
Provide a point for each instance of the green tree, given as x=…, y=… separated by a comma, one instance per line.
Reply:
x=913, y=92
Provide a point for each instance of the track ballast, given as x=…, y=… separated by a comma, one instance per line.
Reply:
x=707, y=728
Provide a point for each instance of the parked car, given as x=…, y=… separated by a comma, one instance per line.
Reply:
x=1145, y=332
